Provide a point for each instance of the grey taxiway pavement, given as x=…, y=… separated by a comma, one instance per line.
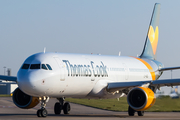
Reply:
x=78, y=112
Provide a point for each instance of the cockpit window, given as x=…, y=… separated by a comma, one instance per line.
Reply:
x=25, y=66
x=49, y=67
x=44, y=67
x=35, y=66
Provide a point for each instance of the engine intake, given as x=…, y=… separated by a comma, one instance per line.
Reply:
x=141, y=98
x=23, y=100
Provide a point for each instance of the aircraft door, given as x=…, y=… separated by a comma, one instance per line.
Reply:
x=62, y=68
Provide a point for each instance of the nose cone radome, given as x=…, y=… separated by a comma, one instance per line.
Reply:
x=27, y=82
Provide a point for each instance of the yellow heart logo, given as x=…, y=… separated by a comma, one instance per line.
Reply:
x=153, y=37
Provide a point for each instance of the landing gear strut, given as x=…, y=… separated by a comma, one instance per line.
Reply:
x=43, y=112
x=131, y=112
x=61, y=106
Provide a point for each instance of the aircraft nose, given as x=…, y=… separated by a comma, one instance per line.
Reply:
x=27, y=82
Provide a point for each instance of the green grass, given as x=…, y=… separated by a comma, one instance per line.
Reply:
x=5, y=95
x=164, y=104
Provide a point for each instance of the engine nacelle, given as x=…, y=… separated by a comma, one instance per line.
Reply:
x=23, y=100
x=141, y=98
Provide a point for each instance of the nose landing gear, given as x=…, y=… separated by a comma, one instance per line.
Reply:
x=43, y=112
x=57, y=107
x=61, y=106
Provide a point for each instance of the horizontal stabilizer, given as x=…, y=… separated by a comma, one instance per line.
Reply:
x=169, y=68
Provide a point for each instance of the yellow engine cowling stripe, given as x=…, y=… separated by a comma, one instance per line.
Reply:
x=149, y=67
x=34, y=102
x=151, y=98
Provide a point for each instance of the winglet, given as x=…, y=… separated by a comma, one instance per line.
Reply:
x=151, y=42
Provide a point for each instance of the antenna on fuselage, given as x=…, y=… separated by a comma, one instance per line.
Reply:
x=119, y=53
x=44, y=49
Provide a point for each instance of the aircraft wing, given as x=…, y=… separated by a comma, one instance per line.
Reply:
x=8, y=78
x=114, y=86
x=166, y=82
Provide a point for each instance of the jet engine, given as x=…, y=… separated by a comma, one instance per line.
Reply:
x=23, y=100
x=141, y=98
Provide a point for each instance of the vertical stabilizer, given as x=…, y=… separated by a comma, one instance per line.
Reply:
x=151, y=42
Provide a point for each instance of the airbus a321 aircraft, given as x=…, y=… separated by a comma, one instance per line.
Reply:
x=59, y=75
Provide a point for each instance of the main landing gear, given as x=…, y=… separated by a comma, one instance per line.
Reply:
x=43, y=112
x=131, y=112
x=61, y=106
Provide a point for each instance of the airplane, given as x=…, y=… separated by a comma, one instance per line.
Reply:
x=159, y=93
x=174, y=94
x=48, y=75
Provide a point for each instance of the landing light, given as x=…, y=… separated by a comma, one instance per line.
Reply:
x=40, y=98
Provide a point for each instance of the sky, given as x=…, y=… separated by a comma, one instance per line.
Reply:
x=86, y=26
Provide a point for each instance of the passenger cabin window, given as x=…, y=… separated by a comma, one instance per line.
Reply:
x=49, y=67
x=44, y=67
x=25, y=66
x=35, y=66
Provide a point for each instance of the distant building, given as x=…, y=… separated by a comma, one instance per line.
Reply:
x=7, y=87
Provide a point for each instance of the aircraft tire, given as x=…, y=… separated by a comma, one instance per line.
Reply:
x=44, y=112
x=140, y=113
x=57, y=108
x=131, y=111
x=66, y=108
x=39, y=113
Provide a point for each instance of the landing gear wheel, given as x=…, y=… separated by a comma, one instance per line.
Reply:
x=62, y=106
x=44, y=112
x=140, y=113
x=66, y=108
x=57, y=108
x=39, y=113
x=131, y=111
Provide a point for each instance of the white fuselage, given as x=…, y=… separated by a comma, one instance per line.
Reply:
x=80, y=75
